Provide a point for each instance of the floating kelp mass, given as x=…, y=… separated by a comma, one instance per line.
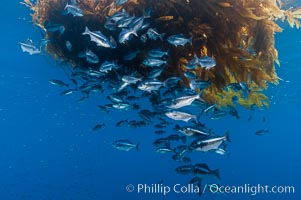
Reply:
x=211, y=54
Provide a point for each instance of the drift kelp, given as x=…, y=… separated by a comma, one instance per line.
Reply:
x=237, y=34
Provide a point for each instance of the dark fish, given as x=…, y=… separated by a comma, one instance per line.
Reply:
x=164, y=150
x=98, y=127
x=125, y=145
x=121, y=123
x=202, y=171
x=67, y=92
x=161, y=142
x=159, y=132
x=262, y=132
x=58, y=83
x=103, y=108
x=185, y=169
x=175, y=137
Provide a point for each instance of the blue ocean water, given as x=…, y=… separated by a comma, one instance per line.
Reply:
x=48, y=151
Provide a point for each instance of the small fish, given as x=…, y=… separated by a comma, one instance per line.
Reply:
x=58, y=83
x=98, y=127
x=202, y=171
x=103, y=108
x=190, y=75
x=107, y=66
x=54, y=27
x=122, y=106
x=157, y=53
x=67, y=92
x=155, y=72
x=262, y=132
x=221, y=151
x=182, y=116
x=179, y=40
x=68, y=45
x=199, y=84
x=165, y=18
x=115, y=98
x=191, y=131
x=83, y=99
x=150, y=86
x=192, y=64
x=90, y=56
x=131, y=55
x=74, y=10
x=154, y=35
x=207, y=62
x=208, y=144
x=161, y=142
x=98, y=38
x=125, y=22
x=185, y=169
x=159, y=132
x=163, y=150
x=29, y=48
x=153, y=62
x=121, y=123
x=126, y=34
x=183, y=101
x=125, y=145
x=130, y=79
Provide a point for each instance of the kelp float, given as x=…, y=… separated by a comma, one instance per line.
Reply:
x=237, y=34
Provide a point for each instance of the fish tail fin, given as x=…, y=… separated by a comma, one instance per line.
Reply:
x=194, y=180
x=135, y=33
x=196, y=118
x=137, y=146
x=161, y=36
x=146, y=13
x=86, y=31
x=227, y=137
x=200, y=186
x=66, y=6
x=216, y=174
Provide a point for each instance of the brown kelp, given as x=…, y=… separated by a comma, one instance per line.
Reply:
x=237, y=34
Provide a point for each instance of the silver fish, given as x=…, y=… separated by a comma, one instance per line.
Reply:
x=126, y=34
x=179, y=40
x=207, y=62
x=208, y=144
x=58, y=83
x=29, y=48
x=150, y=86
x=180, y=116
x=74, y=10
x=154, y=62
x=90, y=56
x=157, y=53
x=124, y=145
x=98, y=38
x=183, y=101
